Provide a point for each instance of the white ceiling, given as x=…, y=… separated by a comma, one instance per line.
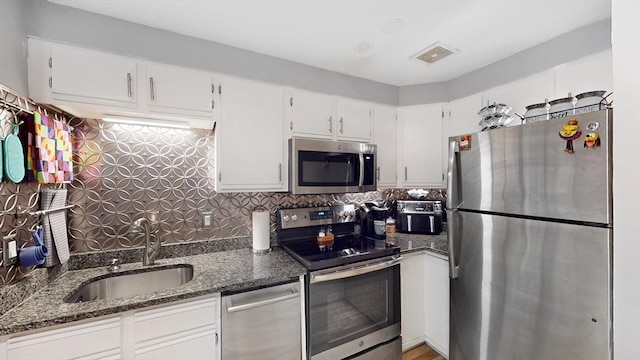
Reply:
x=323, y=33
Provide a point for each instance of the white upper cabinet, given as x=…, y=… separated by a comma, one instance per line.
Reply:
x=90, y=83
x=353, y=120
x=175, y=90
x=79, y=75
x=309, y=114
x=385, y=130
x=421, y=146
x=250, y=146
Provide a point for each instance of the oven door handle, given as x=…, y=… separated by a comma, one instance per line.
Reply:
x=354, y=271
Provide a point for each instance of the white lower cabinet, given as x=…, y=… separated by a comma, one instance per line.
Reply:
x=184, y=330
x=436, y=304
x=93, y=340
x=425, y=301
x=412, y=285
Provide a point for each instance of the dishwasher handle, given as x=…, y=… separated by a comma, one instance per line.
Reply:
x=294, y=294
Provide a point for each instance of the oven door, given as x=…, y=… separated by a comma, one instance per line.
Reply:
x=353, y=308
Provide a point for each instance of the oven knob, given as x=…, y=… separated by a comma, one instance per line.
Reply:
x=351, y=213
x=341, y=215
x=286, y=218
x=294, y=217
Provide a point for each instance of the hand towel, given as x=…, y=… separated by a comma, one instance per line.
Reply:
x=64, y=162
x=45, y=149
x=55, y=226
x=27, y=136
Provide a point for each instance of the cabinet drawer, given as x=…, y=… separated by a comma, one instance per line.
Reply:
x=174, y=319
x=98, y=339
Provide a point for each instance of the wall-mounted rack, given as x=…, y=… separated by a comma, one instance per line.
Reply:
x=46, y=211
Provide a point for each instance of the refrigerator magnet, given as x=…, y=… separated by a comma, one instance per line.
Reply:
x=592, y=140
x=569, y=133
x=465, y=143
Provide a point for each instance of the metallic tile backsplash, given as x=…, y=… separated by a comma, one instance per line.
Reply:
x=125, y=171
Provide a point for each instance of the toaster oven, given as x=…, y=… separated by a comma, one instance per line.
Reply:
x=418, y=216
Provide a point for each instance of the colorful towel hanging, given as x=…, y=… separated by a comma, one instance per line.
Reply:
x=28, y=141
x=64, y=147
x=45, y=149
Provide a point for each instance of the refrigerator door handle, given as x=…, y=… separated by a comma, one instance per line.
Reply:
x=453, y=201
x=454, y=219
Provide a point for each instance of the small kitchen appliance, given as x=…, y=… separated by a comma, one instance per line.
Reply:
x=420, y=217
x=352, y=289
x=373, y=218
x=329, y=167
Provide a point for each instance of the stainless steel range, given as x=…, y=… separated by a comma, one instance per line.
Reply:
x=352, y=288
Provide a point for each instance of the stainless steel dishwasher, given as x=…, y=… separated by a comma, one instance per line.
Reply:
x=262, y=324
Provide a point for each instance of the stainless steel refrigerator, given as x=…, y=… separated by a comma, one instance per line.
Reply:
x=530, y=237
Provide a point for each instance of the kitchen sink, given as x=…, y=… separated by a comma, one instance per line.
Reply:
x=132, y=283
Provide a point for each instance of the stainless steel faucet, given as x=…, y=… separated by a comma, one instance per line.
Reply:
x=150, y=250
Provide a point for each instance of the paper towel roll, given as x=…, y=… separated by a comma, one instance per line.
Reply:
x=260, y=224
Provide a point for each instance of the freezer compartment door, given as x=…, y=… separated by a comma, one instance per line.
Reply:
x=528, y=289
x=527, y=170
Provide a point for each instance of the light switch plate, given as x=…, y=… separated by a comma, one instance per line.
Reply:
x=207, y=220
x=9, y=252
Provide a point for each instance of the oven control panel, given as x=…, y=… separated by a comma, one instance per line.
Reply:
x=323, y=215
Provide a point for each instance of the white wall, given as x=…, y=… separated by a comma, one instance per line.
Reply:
x=626, y=179
x=13, y=45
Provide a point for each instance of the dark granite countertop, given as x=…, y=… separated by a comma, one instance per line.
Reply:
x=222, y=271
x=218, y=267
x=418, y=242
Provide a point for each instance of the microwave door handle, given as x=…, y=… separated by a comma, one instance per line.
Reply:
x=361, y=177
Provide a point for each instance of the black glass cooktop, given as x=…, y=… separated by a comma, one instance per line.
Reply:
x=345, y=250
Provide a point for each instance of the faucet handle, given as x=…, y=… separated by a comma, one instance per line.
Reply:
x=115, y=265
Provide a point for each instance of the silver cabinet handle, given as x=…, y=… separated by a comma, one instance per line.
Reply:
x=129, y=87
x=330, y=124
x=152, y=90
x=352, y=271
x=378, y=173
x=341, y=125
x=294, y=294
x=280, y=172
x=405, y=173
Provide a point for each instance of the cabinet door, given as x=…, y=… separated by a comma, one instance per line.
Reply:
x=175, y=90
x=421, y=146
x=412, y=287
x=91, y=77
x=192, y=345
x=385, y=130
x=250, y=147
x=460, y=118
x=353, y=120
x=436, y=303
x=95, y=340
x=187, y=330
x=310, y=114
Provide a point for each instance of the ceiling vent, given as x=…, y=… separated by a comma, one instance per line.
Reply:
x=435, y=52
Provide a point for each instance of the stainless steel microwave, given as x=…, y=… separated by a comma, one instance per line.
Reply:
x=326, y=166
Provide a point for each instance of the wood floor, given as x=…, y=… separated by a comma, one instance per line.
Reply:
x=422, y=352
